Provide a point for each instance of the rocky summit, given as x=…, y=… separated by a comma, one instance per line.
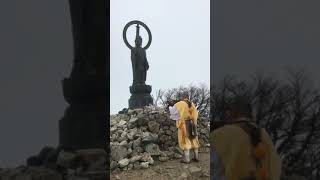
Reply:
x=141, y=137
x=56, y=164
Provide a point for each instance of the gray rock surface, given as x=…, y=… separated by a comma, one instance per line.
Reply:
x=146, y=135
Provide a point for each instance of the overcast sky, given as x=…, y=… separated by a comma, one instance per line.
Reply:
x=250, y=35
x=180, y=49
x=35, y=55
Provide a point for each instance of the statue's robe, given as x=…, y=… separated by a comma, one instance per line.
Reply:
x=139, y=64
x=184, y=113
x=233, y=147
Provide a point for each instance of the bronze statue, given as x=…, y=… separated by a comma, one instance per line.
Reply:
x=139, y=60
x=140, y=91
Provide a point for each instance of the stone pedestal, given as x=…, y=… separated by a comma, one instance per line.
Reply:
x=85, y=121
x=140, y=96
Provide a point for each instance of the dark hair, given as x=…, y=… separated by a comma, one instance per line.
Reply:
x=188, y=102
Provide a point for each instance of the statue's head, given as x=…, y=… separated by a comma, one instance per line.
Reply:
x=138, y=41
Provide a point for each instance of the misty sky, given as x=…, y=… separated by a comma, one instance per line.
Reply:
x=249, y=36
x=35, y=55
x=180, y=49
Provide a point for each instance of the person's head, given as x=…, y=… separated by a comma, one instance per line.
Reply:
x=171, y=102
x=138, y=41
x=183, y=96
x=240, y=107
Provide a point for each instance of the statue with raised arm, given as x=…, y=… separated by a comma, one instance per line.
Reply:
x=139, y=90
x=139, y=61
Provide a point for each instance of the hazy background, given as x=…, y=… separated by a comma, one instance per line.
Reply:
x=35, y=55
x=180, y=49
x=249, y=36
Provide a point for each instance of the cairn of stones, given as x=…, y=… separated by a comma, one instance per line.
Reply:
x=141, y=137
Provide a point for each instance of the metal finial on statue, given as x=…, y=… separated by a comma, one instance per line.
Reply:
x=137, y=31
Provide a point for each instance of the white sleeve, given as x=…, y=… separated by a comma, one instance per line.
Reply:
x=174, y=113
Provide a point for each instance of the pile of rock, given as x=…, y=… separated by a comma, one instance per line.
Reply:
x=141, y=136
x=55, y=164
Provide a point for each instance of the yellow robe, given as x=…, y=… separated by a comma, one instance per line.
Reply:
x=233, y=147
x=185, y=112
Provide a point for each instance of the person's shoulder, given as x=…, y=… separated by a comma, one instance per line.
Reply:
x=181, y=103
x=225, y=129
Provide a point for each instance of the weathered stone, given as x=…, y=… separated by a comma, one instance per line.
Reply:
x=170, y=154
x=148, y=137
x=163, y=159
x=124, y=143
x=113, y=129
x=147, y=158
x=153, y=149
x=136, y=143
x=38, y=173
x=123, y=163
x=195, y=171
x=91, y=155
x=121, y=123
x=142, y=121
x=118, y=152
x=184, y=175
x=173, y=128
x=65, y=159
x=135, y=158
x=169, y=132
x=133, y=122
x=177, y=156
x=144, y=165
x=153, y=126
x=136, y=165
x=113, y=165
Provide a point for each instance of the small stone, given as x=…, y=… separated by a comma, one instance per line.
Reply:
x=136, y=143
x=177, y=156
x=121, y=123
x=147, y=158
x=123, y=163
x=144, y=165
x=163, y=159
x=148, y=137
x=113, y=165
x=153, y=127
x=136, y=165
x=118, y=152
x=173, y=128
x=130, y=112
x=65, y=159
x=184, y=175
x=169, y=132
x=153, y=149
x=124, y=143
x=170, y=154
x=195, y=171
x=132, y=123
x=113, y=129
x=130, y=166
x=135, y=158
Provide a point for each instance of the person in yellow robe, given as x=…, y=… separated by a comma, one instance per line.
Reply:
x=241, y=150
x=187, y=110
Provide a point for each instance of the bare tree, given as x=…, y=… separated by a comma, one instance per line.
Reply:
x=289, y=110
x=198, y=94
